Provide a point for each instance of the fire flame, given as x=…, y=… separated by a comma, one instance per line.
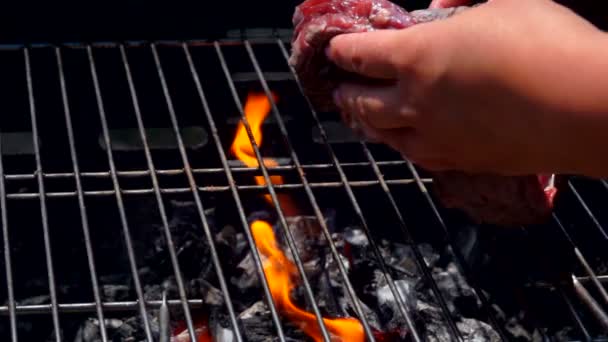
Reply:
x=278, y=269
x=256, y=110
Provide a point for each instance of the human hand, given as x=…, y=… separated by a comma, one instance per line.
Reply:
x=508, y=87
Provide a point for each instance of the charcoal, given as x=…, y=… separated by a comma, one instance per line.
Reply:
x=201, y=288
x=221, y=334
x=355, y=237
x=459, y=296
x=36, y=300
x=476, y=331
x=389, y=307
x=307, y=235
x=437, y=330
x=246, y=276
x=401, y=257
x=130, y=329
x=115, y=292
x=258, y=326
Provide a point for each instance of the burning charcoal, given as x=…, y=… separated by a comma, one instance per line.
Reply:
x=437, y=330
x=89, y=331
x=221, y=334
x=401, y=257
x=307, y=234
x=130, y=329
x=247, y=276
x=389, y=307
x=258, y=326
x=476, y=331
x=115, y=293
x=201, y=288
x=459, y=296
x=356, y=237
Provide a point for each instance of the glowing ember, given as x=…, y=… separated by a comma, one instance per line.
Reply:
x=278, y=269
x=201, y=331
x=256, y=110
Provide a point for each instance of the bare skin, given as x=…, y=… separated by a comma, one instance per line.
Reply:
x=509, y=87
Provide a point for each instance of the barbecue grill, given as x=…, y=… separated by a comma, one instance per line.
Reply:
x=127, y=216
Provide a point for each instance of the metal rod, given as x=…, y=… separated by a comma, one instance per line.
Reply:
x=459, y=257
x=421, y=264
x=591, y=303
x=158, y=195
x=205, y=189
x=582, y=202
x=583, y=261
x=179, y=172
x=575, y=316
x=123, y=306
x=276, y=203
x=10, y=287
x=225, y=41
x=313, y=201
x=197, y=199
x=235, y=194
x=164, y=320
x=43, y=209
x=126, y=231
x=83, y=213
x=357, y=208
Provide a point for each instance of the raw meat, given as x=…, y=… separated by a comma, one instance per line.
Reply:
x=490, y=199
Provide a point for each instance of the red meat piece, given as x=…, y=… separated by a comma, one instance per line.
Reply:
x=491, y=199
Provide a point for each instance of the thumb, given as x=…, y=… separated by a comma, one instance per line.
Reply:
x=369, y=54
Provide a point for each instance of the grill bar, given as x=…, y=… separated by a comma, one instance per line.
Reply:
x=575, y=316
x=587, y=210
x=8, y=268
x=176, y=172
x=275, y=200
x=235, y=194
x=397, y=295
x=121, y=306
x=581, y=292
x=119, y=201
x=584, y=296
x=205, y=189
x=197, y=199
x=311, y=197
x=83, y=213
x=409, y=237
x=485, y=302
x=43, y=209
x=158, y=195
x=595, y=308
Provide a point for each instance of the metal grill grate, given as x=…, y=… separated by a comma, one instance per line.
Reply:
x=65, y=104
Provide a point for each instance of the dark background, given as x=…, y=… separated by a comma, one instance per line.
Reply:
x=58, y=21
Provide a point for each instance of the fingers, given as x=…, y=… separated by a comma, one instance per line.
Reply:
x=409, y=144
x=369, y=54
x=381, y=107
x=448, y=3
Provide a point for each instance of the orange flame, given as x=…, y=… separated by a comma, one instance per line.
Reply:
x=256, y=110
x=278, y=269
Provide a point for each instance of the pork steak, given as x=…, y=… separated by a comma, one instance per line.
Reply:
x=487, y=198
